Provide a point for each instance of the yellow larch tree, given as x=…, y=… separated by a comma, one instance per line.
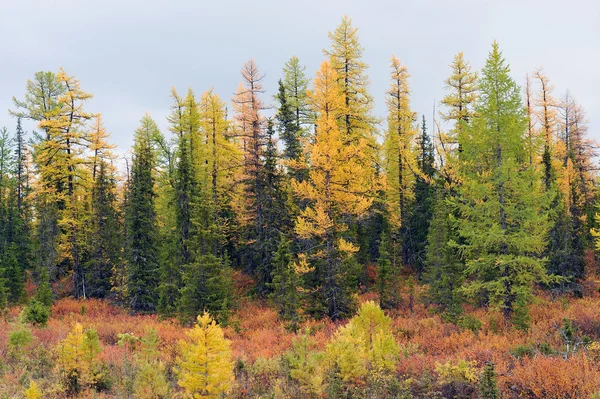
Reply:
x=545, y=115
x=345, y=57
x=33, y=392
x=400, y=156
x=459, y=102
x=205, y=368
x=366, y=346
x=77, y=358
x=339, y=186
x=99, y=147
x=223, y=156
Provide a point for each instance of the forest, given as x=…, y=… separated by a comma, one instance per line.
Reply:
x=307, y=249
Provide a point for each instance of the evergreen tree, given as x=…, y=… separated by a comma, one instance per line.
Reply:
x=444, y=270
x=141, y=231
x=488, y=386
x=284, y=284
x=501, y=205
x=105, y=234
x=422, y=208
x=13, y=238
x=276, y=217
x=288, y=126
x=388, y=275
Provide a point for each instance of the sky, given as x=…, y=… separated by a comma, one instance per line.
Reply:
x=129, y=53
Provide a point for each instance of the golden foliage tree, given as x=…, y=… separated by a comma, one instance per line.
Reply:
x=78, y=358
x=366, y=346
x=33, y=392
x=459, y=102
x=340, y=185
x=205, y=368
x=400, y=156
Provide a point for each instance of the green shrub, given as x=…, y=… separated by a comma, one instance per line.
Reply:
x=521, y=351
x=36, y=313
x=470, y=322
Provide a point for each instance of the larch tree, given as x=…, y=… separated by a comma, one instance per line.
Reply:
x=176, y=194
x=205, y=282
x=55, y=102
x=459, y=101
x=251, y=130
x=366, y=346
x=205, y=368
x=357, y=123
x=102, y=222
x=565, y=250
x=345, y=57
x=545, y=112
x=502, y=217
x=295, y=84
x=339, y=186
x=400, y=156
x=293, y=114
x=141, y=244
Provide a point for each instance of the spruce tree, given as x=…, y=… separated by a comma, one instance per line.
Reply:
x=444, y=270
x=284, y=282
x=488, y=385
x=388, y=275
x=289, y=130
x=140, y=218
x=275, y=216
x=105, y=235
x=421, y=211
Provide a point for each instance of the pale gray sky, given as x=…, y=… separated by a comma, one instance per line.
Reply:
x=129, y=53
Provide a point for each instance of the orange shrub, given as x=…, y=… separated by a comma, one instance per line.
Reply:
x=554, y=378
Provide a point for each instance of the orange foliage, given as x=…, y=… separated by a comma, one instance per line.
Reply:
x=554, y=378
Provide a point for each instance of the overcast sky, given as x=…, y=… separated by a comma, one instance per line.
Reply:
x=129, y=53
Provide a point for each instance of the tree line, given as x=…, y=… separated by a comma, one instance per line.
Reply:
x=306, y=201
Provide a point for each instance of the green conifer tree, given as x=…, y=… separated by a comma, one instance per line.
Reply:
x=105, y=235
x=284, y=283
x=501, y=202
x=140, y=217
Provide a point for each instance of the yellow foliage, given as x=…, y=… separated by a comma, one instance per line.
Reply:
x=205, y=368
x=77, y=356
x=339, y=181
x=400, y=154
x=33, y=392
x=462, y=371
x=365, y=345
x=150, y=381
